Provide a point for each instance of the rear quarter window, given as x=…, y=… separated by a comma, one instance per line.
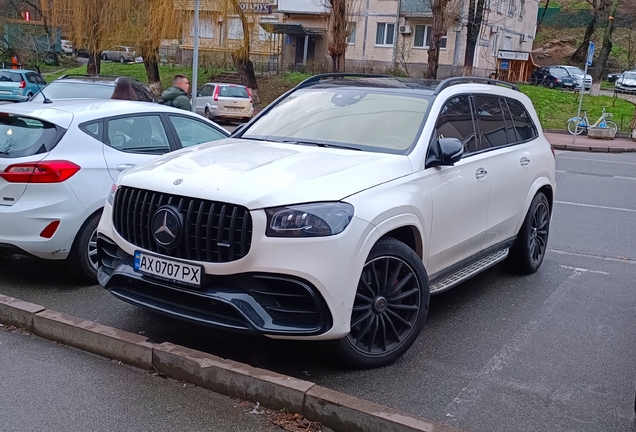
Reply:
x=26, y=136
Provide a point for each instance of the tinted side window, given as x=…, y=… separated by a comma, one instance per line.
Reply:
x=490, y=119
x=138, y=134
x=205, y=91
x=93, y=129
x=41, y=80
x=526, y=130
x=140, y=94
x=31, y=78
x=192, y=132
x=510, y=127
x=456, y=121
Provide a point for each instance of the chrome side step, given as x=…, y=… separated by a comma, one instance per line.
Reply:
x=447, y=282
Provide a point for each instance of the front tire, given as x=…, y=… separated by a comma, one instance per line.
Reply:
x=528, y=251
x=104, y=57
x=390, y=307
x=572, y=127
x=612, y=125
x=82, y=261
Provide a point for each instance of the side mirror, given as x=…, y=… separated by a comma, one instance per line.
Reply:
x=445, y=152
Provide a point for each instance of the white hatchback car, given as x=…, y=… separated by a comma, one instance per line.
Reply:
x=59, y=160
x=222, y=101
x=336, y=212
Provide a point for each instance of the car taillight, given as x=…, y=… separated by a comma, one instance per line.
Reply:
x=216, y=93
x=40, y=172
x=249, y=93
x=22, y=84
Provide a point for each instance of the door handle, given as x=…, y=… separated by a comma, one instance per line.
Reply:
x=524, y=161
x=481, y=173
x=124, y=167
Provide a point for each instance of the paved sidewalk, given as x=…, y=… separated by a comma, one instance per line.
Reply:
x=47, y=386
x=563, y=141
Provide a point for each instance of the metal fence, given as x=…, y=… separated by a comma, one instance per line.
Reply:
x=558, y=121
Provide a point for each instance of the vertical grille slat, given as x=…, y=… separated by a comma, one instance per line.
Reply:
x=209, y=227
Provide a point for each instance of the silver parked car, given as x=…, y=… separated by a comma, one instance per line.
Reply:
x=119, y=53
x=221, y=101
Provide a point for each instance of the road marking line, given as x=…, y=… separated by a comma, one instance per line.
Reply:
x=624, y=178
x=596, y=206
x=560, y=171
x=602, y=258
x=461, y=406
x=584, y=270
x=598, y=160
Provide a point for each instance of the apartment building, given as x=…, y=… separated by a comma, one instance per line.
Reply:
x=388, y=34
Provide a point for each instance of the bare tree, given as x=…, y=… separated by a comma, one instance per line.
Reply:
x=475, y=18
x=598, y=9
x=445, y=13
x=601, y=62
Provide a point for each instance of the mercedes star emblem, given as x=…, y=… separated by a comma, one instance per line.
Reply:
x=177, y=182
x=166, y=227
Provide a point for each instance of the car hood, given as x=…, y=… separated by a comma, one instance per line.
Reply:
x=262, y=174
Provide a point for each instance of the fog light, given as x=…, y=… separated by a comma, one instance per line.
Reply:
x=50, y=230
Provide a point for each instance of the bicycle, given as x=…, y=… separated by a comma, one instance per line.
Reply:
x=576, y=126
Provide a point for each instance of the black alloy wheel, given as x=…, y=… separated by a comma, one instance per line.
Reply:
x=390, y=306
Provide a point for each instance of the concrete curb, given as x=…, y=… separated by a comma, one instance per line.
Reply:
x=599, y=149
x=335, y=410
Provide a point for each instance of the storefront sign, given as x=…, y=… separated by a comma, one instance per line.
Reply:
x=264, y=8
x=504, y=64
x=484, y=43
x=513, y=55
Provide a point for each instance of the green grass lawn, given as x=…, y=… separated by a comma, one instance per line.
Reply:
x=555, y=107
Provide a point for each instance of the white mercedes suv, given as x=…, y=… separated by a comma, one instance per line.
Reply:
x=336, y=212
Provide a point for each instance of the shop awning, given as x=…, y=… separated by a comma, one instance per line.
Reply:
x=290, y=29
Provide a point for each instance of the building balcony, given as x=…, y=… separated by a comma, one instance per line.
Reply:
x=416, y=8
x=315, y=7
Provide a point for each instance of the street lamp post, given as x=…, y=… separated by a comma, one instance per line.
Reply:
x=195, y=57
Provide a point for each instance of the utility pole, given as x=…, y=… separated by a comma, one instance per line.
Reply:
x=195, y=58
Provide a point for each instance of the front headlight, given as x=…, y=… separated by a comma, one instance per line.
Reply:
x=308, y=220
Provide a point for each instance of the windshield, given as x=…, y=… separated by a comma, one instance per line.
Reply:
x=10, y=77
x=373, y=119
x=25, y=136
x=575, y=70
x=75, y=90
x=629, y=75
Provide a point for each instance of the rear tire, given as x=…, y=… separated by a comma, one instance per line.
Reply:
x=122, y=60
x=572, y=127
x=82, y=261
x=390, y=307
x=528, y=251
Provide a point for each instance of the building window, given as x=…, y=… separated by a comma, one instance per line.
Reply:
x=423, y=37
x=264, y=35
x=235, y=29
x=501, y=6
x=495, y=44
x=206, y=29
x=522, y=10
x=511, y=8
x=385, y=34
x=351, y=29
x=507, y=43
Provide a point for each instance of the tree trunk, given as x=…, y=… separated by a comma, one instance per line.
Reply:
x=437, y=32
x=475, y=16
x=94, y=63
x=152, y=73
x=581, y=52
x=338, y=35
x=601, y=62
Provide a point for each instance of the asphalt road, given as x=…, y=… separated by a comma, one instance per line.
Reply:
x=551, y=351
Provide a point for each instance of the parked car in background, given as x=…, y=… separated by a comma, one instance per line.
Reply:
x=337, y=212
x=122, y=54
x=91, y=87
x=612, y=77
x=552, y=77
x=58, y=162
x=19, y=85
x=81, y=52
x=583, y=80
x=67, y=47
x=219, y=101
x=626, y=83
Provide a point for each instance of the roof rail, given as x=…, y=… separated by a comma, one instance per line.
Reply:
x=469, y=79
x=97, y=76
x=317, y=78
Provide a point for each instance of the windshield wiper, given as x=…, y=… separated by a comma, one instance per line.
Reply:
x=317, y=144
x=4, y=153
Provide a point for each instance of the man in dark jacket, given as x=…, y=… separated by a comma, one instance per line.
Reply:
x=177, y=95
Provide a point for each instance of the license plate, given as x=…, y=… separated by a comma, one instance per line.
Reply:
x=5, y=92
x=173, y=271
x=235, y=109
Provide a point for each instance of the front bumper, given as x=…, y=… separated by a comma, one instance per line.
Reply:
x=293, y=288
x=22, y=223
